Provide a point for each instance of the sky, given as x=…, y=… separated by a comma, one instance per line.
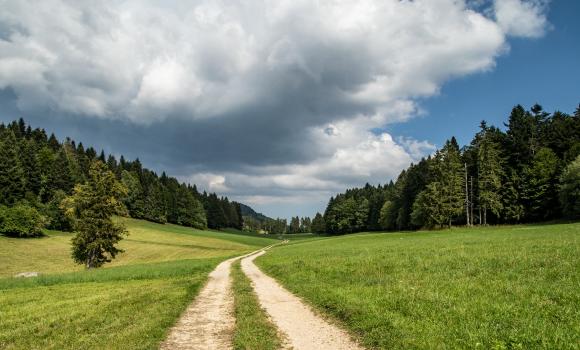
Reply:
x=280, y=104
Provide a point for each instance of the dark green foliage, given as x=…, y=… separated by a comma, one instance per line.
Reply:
x=513, y=208
x=274, y=226
x=300, y=225
x=189, y=211
x=500, y=177
x=523, y=137
x=154, y=202
x=489, y=173
x=57, y=218
x=570, y=189
x=11, y=173
x=318, y=224
x=540, y=186
x=294, y=226
x=216, y=216
x=21, y=221
x=134, y=198
x=30, y=168
x=91, y=207
x=39, y=169
x=346, y=215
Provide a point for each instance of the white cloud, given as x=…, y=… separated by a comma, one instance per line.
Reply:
x=123, y=59
x=327, y=72
x=523, y=18
x=209, y=182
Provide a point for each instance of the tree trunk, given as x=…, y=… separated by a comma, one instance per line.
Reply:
x=90, y=260
x=471, y=204
x=466, y=197
x=485, y=216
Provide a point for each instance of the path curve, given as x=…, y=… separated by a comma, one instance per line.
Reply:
x=303, y=329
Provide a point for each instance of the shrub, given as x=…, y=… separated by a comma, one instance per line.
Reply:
x=21, y=221
x=570, y=189
x=57, y=218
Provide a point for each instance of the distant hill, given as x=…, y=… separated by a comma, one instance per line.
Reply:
x=248, y=211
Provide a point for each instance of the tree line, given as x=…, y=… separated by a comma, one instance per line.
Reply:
x=528, y=173
x=278, y=226
x=37, y=172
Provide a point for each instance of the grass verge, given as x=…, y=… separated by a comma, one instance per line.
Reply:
x=254, y=331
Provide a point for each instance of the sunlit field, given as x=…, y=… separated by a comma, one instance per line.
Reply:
x=130, y=304
x=497, y=287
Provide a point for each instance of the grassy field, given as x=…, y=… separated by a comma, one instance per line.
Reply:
x=130, y=304
x=490, y=288
x=147, y=242
x=254, y=331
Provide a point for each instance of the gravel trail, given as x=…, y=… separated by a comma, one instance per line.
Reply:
x=208, y=323
x=302, y=328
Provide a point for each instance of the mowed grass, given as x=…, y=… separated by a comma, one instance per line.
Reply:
x=130, y=304
x=254, y=331
x=485, y=288
x=147, y=242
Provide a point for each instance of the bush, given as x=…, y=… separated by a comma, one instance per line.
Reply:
x=21, y=221
x=570, y=189
x=57, y=218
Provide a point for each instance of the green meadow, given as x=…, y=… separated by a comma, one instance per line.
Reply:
x=482, y=288
x=129, y=304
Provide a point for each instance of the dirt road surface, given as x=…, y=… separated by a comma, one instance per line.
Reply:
x=302, y=328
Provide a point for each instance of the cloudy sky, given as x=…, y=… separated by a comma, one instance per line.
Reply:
x=280, y=104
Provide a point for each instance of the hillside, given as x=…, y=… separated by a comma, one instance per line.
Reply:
x=129, y=304
x=247, y=211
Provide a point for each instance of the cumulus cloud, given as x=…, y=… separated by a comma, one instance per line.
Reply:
x=522, y=18
x=275, y=97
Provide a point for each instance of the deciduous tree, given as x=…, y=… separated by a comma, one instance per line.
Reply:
x=91, y=207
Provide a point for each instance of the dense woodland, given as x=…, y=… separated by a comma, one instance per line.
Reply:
x=37, y=172
x=527, y=173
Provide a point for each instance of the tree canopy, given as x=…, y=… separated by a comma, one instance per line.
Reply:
x=527, y=173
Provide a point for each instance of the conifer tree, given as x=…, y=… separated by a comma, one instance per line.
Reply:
x=11, y=173
x=490, y=173
x=294, y=225
x=31, y=170
x=570, y=189
x=134, y=200
x=447, y=185
x=431, y=207
x=318, y=224
x=540, y=186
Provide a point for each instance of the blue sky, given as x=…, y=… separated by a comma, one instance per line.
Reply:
x=544, y=70
x=281, y=104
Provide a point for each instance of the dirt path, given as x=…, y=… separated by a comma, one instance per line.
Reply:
x=302, y=328
x=208, y=322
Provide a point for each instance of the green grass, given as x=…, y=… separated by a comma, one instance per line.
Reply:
x=147, y=242
x=498, y=287
x=130, y=304
x=254, y=331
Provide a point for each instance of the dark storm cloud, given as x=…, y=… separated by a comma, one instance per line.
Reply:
x=266, y=98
